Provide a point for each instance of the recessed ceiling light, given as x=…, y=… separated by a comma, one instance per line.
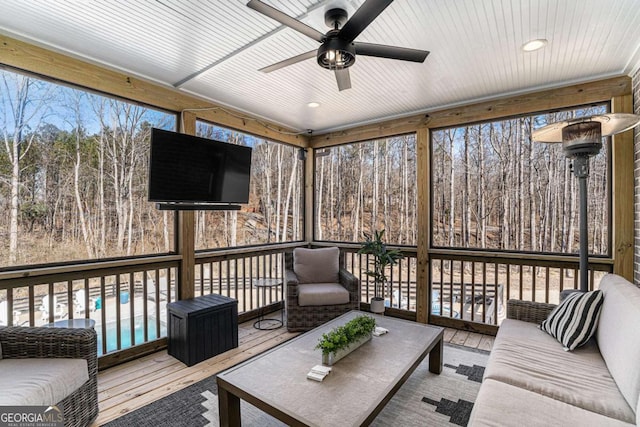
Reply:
x=532, y=45
x=313, y=104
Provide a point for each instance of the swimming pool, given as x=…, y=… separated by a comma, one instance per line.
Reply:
x=125, y=333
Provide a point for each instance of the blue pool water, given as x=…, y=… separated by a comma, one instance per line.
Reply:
x=125, y=334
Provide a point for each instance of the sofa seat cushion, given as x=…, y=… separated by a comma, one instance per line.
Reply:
x=40, y=381
x=317, y=265
x=526, y=357
x=502, y=405
x=322, y=294
x=618, y=336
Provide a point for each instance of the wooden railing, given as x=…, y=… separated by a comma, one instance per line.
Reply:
x=470, y=288
x=127, y=298
x=235, y=272
x=400, y=290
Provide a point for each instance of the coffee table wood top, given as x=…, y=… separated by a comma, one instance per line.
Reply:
x=356, y=390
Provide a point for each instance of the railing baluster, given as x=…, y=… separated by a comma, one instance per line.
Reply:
x=520, y=283
x=87, y=299
x=145, y=308
x=442, y=292
x=132, y=311
x=546, y=289
x=497, y=295
x=508, y=268
x=244, y=283
x=70, y=302
x=473, y=290
x=118, y=317
x=157, y=271
x=103, y=314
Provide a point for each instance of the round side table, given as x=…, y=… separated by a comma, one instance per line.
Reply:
x=72, y=323
x=269, y=323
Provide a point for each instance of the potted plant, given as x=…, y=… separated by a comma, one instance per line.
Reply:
x=382, y=257
x=342, y=340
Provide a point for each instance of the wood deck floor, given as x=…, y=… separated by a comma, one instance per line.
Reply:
x=129, y=386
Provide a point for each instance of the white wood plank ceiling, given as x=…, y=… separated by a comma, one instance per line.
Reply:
x=214, y=48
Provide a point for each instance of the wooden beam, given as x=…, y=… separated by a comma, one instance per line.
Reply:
x=550, y=99
x=622, y=195
x=423, y=280
x=47, y=63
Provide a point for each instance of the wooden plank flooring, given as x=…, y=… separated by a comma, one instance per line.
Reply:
x=129, y=386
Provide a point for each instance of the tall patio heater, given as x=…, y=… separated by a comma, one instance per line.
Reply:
x=582, y=139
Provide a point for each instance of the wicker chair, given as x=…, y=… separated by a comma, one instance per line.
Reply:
x=81, y=406
x=305, y=317
x=528, y=311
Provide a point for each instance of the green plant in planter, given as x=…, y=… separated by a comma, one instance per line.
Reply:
x=341, y=336
x=382, y=258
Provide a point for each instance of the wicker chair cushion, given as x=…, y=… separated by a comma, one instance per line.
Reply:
x=322, y=294
x=45, y=381
x=316, y=265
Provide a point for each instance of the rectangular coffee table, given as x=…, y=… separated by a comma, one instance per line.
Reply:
x=355, y=391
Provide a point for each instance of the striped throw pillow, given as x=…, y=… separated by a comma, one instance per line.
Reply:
x=575, y=319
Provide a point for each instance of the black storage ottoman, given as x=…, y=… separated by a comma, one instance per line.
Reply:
x=202, y=327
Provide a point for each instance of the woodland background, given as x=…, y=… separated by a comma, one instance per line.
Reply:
x=74, y=165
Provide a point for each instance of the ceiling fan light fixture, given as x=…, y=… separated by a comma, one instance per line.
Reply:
x=533, y=45
x=336, y=54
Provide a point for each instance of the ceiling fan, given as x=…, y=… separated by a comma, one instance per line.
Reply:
x=338, y=49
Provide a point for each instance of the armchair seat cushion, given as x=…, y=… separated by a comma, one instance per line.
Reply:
x=45, y=381
x=322, y=294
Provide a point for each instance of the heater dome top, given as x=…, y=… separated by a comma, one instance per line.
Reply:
x=610, y=125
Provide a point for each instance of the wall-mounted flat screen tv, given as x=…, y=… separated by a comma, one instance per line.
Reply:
x=190, y=169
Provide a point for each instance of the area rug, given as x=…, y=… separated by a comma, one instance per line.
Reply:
x=425, y=399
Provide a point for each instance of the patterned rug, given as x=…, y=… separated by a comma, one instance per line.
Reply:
x=425, y=399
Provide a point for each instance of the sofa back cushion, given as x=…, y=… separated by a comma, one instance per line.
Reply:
x=316, y=265
x=617, y=334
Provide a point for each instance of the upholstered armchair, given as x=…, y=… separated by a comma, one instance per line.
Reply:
x=42, y=366
x=319, y=288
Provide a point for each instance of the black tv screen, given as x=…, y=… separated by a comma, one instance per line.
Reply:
x=190, y=169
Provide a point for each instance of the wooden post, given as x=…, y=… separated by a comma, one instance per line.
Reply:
x=423, y=280
x=622, y=193
x=185, y=230
x=309, y=196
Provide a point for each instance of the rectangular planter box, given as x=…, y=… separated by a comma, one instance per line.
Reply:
x=332, y=358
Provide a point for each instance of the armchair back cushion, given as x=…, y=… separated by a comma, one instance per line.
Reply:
x=316, y=265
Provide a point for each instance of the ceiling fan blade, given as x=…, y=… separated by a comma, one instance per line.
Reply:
x=391, y=52
x=290, y=61
x=362, y=18
x=343, y=78
x=285, y=19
